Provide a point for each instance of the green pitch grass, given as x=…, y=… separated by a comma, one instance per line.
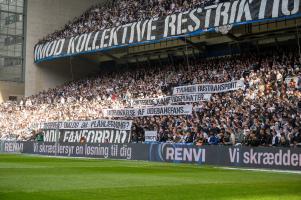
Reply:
x=37, y=178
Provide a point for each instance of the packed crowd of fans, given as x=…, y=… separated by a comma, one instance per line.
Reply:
x=267, y=112
x=119, y=12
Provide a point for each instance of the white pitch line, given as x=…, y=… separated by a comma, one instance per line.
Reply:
x=262, y=170
x=146, y=162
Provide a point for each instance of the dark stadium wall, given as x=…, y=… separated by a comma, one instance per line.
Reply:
x=45, y=17
x=58, y=72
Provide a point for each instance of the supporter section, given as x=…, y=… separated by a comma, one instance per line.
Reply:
x=264, y=56
x=264, y=112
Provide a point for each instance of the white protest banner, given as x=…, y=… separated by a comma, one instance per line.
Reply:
x=150, y=136
x=149, y=111
x=96, y=131
x=94, y=124
x=187, y=98
x=151, y=101
x=190, y=98
x=209, y=88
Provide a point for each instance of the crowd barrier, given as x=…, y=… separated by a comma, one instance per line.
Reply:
x=250, y=157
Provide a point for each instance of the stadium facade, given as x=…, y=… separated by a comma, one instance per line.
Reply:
x=12, y=15
x=23, y=23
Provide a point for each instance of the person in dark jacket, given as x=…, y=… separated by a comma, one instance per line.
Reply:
x=253, y=140
x=283, y=141
x=275, y=139
x=213, y=139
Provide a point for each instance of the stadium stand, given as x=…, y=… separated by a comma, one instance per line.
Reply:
x=150, y=99
x=262, y=114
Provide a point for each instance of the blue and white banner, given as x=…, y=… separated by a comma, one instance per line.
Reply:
x=218, y=155
x=189, y=23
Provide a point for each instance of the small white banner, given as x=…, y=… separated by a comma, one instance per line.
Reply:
x=150, y=136
x=209, y=88
x=187, y=98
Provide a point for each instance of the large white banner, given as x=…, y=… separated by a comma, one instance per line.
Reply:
x=188, y=98
x=149, y=111
x=96, y=131
x=209, y=88
x=94, y=124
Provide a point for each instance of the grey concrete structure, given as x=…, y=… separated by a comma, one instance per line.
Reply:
x=44, y=17
x=8, y=88
x=11, y=46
